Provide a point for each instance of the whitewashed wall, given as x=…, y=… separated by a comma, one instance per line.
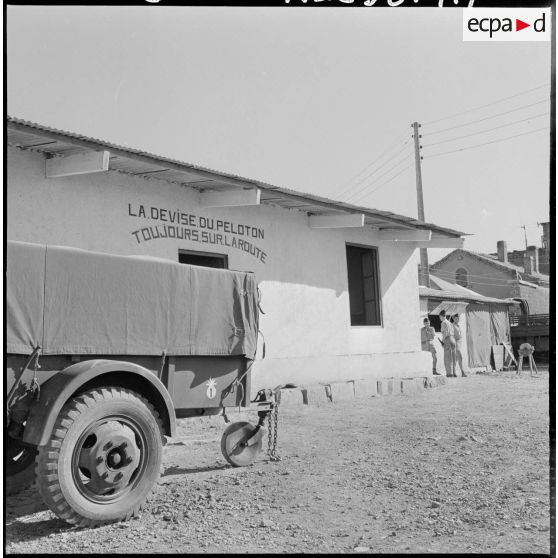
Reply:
x=301, y=271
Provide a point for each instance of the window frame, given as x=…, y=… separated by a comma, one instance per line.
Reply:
x=378, y=287
x=461, y=268
x=223, y=257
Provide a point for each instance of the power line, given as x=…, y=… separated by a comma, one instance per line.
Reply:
x=365, y=186
x=486, y=284
x=469, y=282
x=382, y=185
x=488, y=142
x=488, y=130
x=488, y=104
x=488, y=117
x=477, y=276
x=475, y=280
x=482, y=275
x=349, y=187
x=478, y=283
x=478, y=279
x=377, y=169
x=392, y=146
x=362, y=188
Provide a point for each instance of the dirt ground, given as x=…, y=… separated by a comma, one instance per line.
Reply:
x=460, y=468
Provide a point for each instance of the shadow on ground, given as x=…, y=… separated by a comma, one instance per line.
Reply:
x=193, y=470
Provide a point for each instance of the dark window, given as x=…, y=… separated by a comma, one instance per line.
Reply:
x=204, y=259
x=364, y=299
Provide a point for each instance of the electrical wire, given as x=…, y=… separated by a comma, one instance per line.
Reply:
x=488, y=130
x=486, y=143
x=377, y=169
x=482, y=275
x=484, y=284
x=495, y=283
x=347, y=190
x=382, y=185
x=488, y=104
x=488, y=117
x=388, y=150
x=365, y=186
x=474, y=281
x=486, y=277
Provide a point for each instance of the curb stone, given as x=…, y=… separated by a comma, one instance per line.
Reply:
x=382, y=387
x=365, y=388
x=291, y=398
x=395, y=386
x=342, y=391
x=389, y=386
x=189, y=429
x=315, y=395
x=412, y=386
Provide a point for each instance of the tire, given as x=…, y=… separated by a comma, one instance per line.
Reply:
x=102, y=459
x=20, y=466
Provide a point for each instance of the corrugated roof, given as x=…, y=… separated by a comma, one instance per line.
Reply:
x=54, y=142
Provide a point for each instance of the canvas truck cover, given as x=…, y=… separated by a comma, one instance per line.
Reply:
x=72, y=301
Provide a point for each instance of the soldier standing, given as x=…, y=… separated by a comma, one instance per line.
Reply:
x=458, y=338
x=427, y=336
x=448, y=340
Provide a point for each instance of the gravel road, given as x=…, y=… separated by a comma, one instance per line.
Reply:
x=460, y=468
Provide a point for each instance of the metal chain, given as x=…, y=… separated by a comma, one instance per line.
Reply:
x=35, y=387
x=269, y=440
x=273, y=425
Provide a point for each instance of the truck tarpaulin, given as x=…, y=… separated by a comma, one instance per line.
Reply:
x=73, y=301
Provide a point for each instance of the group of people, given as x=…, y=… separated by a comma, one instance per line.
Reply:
x=451, y=341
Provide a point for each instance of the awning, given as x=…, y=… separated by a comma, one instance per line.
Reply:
x=450, y=308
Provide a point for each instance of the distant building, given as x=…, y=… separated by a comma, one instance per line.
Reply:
x=495, y=276
x=540, y=262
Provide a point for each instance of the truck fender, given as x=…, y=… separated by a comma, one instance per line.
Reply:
x=59, y=389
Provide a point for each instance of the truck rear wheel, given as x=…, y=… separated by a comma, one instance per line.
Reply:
x=102, y=459
x=20, y=466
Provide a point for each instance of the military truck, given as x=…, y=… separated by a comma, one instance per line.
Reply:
x=104, y=352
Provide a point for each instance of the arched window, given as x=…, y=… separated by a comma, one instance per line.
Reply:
x=461, y=277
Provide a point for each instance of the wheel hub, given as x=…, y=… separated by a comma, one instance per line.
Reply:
x=109, y=457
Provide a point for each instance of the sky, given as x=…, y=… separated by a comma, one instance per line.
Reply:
x=320, y=100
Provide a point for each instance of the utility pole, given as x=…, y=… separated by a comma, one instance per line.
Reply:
x=525, y=233
x=424, y=275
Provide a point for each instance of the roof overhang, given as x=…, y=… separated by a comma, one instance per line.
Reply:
x=454, y=296
x=72, y=154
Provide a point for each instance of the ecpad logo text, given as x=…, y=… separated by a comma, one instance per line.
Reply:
x=500, y=24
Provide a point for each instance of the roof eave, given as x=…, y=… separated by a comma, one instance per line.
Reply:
x=234, y=180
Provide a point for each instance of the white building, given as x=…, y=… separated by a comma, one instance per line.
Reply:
x=338, y=282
